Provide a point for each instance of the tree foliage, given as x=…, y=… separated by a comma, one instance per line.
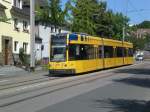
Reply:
x=144, y=24
x=4, y=19
x=86, y=16
x=52, y=14
x=23, y=57
x=93, y=17
x=82, y=13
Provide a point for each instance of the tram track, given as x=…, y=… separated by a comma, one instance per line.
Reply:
x=54, y=88
x=51, y=87
x=25, y=82
x=11, y=83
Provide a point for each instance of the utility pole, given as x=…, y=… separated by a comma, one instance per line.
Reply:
x=123, y=39
x=32, y=35
x=123, y=32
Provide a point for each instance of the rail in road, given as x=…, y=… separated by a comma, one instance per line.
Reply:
x=25, y=83
x=20, y=79
x=21, y=93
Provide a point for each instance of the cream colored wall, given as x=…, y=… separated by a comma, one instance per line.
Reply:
x=7, y=29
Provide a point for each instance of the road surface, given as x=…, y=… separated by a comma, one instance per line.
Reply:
x=125, y=89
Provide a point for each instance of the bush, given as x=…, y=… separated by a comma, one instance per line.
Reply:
x=23, y=57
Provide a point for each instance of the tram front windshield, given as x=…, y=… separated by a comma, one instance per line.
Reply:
x=58, y=48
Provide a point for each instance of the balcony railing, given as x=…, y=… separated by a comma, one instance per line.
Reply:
x=20, y=12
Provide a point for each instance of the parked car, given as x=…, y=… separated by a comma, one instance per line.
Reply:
x=139, y=58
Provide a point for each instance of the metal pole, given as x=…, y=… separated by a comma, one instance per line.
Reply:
x=123, y=37
x=50, y=46
x=32, y=35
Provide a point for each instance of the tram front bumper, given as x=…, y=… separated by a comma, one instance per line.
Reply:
x=62, y=71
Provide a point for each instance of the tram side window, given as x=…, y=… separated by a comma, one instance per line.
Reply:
x=130, y=52
x=119, y=51
x=73, y=52
x=100, y=51
x=90, y=52
x=125, y=53
x=81, y=52
x=108, y=51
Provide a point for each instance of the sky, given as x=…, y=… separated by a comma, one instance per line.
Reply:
x=136, y=10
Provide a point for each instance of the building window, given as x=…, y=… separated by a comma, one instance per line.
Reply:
x=15, y=46
x=59, y=31
x=16, y=23
x=52, y=29
x=17, y=3
x=25, y=26
x=25, y=46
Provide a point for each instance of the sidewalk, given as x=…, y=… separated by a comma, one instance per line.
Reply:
x=11, y=71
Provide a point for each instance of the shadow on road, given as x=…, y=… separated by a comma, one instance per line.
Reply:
x=142, y=82
x=134, y=71
x=123, y=105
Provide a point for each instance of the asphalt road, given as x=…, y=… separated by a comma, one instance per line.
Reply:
x=127, y=89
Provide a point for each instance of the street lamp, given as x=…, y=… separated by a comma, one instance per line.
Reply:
x=32, y=35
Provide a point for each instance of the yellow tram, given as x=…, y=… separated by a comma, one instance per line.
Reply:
x=78, y=53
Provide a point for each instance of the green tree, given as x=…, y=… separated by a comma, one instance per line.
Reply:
x=119, y=21
x=52, y=14
x=144, y=24
x=82, y=12
x=86, y=16
x=23, y=57
x=93, y=17
x=4, y=19
x=109, y=24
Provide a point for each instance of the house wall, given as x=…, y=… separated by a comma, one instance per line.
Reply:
x=7, y=29
x=38, y=53
x=45, y=33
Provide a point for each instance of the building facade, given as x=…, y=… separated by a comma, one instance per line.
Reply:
x=141, y=33
x=44, y=33
x=14, y=33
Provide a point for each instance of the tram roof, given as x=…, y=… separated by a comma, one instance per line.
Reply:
x=98, y=38
x=75, y=36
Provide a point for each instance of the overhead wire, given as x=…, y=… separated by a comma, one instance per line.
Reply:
x=135, y=10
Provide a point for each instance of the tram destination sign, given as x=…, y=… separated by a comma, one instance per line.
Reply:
x=58, y=40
